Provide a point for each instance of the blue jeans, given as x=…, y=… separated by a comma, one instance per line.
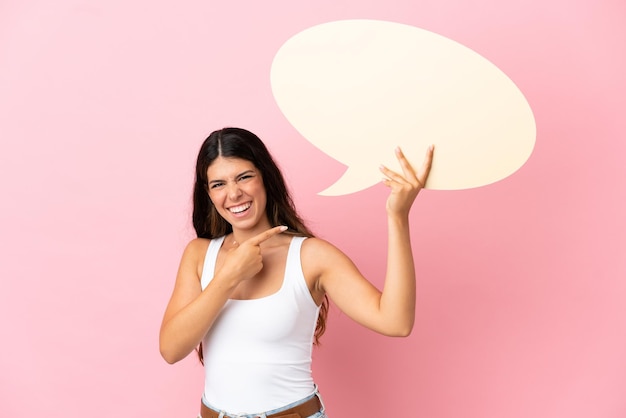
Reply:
x=320, y=414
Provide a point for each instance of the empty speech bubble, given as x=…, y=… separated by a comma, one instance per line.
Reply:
x=356, y=89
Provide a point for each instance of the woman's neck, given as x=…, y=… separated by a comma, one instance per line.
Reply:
x=241, y=235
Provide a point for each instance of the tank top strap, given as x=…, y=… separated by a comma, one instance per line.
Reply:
x=208, y=270
x=294, y=276
x=293, y=266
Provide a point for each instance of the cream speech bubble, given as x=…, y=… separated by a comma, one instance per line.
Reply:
x=356, y=89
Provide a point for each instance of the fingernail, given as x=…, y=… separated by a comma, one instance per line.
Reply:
x=284, y=228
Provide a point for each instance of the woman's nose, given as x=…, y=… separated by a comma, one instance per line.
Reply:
x=234, y=191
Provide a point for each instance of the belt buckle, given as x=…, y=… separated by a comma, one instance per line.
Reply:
x=246, y=415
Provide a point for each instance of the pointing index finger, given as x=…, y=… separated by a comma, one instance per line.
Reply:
x=265, y=235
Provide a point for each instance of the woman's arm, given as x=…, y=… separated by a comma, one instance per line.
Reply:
x=392, y=311
x=191, y=311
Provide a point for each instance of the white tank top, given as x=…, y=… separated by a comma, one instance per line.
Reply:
x=257, y=354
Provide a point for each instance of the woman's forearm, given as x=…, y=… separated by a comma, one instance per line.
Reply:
x=397, y=301
x=182, y=333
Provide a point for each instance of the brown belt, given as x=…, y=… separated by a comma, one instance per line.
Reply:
x=303, y=410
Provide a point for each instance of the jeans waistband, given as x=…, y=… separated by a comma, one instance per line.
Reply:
x=316, y=405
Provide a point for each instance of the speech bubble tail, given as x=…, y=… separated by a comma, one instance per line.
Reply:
x=353, y=180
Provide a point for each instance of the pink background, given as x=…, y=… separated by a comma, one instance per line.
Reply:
x=103, y=106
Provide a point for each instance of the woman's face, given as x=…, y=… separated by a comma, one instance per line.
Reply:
x=235, y=187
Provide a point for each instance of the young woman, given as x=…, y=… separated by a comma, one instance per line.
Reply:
x=252, y=290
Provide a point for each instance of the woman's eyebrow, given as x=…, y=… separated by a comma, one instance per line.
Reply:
x=237, y=176
x=246, y=172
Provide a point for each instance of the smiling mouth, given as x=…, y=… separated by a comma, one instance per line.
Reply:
x=240, y=209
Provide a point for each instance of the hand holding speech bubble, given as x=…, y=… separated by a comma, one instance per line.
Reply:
x=356, y=89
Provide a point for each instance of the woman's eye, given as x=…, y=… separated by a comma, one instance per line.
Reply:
x=216, y=185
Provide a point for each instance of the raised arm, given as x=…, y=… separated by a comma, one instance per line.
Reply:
x=398, y=297
x=392, y=311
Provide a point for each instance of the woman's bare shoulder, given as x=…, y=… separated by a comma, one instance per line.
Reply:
x=196, y=249
x=323, y=262
x=314, y=245
x=194, y=254
x=320, y=251
x=198, y=244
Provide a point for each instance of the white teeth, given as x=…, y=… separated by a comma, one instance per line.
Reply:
x=240, y=208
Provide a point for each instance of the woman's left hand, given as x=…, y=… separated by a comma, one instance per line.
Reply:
x=405, y=187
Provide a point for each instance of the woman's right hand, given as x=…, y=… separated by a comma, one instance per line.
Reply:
x=243, y=261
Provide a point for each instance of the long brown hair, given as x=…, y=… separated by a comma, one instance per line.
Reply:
x=280, y=209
